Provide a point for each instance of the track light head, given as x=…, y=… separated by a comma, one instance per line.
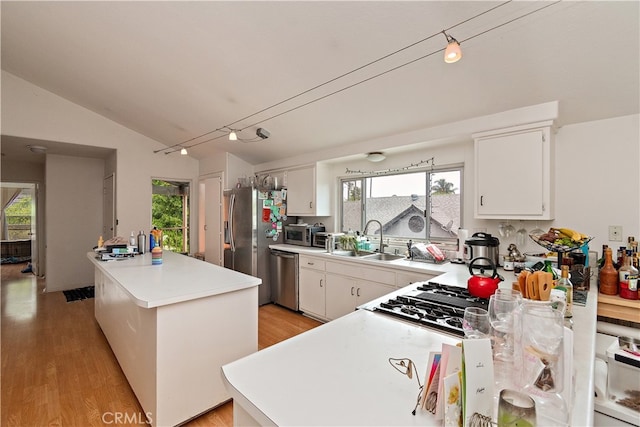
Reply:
x=263, y=133
x=452, y=53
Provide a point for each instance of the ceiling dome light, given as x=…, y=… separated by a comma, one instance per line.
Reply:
x=37, y=148
x=375, y=157
x=452, y=53
x=233, y=136
x=183, y=151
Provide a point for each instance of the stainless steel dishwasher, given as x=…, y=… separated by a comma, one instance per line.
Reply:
x=284, y=278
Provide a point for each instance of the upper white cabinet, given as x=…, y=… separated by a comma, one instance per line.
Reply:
x=309, y=191
x=514, y=173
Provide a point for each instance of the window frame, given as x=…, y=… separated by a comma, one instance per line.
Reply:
x=428, y=171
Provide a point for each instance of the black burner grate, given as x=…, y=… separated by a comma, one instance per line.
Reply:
x=434, y=305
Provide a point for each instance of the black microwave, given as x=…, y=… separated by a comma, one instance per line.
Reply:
x=301, y=234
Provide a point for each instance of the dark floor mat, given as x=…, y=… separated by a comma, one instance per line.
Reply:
x=79, y=294
x=15, y=259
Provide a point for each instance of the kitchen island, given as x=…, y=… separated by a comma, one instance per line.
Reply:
x=339, y=374
x=172, y=327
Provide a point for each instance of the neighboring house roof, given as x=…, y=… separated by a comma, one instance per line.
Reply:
x=445, y=212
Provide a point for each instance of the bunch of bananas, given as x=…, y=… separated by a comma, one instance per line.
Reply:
x=575, y=236
x=564, y=237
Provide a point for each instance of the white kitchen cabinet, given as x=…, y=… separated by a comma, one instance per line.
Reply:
x=345, y=293
x=349, y=285
x=311, y=287
x=514, y=173
x=309, y=191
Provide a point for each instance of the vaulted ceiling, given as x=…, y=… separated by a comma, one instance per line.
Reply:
x=180, y=69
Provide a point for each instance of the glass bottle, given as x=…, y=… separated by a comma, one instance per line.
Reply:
x=565, y=285
x=608, y=275
x=628, y=278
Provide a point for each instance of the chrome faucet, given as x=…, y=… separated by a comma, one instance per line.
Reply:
x=382, y=245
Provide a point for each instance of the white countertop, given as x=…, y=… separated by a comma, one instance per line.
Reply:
x=338, y=374
x=179, y=278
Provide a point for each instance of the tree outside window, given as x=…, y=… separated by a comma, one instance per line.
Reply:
x=170, y=213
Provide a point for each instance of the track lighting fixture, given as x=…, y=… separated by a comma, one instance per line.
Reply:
x=183, y=151
x=452, y=53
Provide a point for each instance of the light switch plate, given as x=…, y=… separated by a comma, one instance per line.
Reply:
x=615, y=233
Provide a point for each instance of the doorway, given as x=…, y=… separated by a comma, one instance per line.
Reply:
x=170, y=213
x=19, y=224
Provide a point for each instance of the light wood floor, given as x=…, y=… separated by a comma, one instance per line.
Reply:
x=58, y=369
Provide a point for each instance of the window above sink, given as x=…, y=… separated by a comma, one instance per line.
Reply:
x=417, y=205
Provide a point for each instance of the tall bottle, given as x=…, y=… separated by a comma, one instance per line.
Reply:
x=132, y=240
x=608, y=275
x=628, y=278
x=142, y=242
x=565, y=285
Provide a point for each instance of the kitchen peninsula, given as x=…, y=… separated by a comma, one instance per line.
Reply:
x=172, y=327
x=339, y=373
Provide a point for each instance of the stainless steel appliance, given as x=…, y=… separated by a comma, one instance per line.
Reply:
x=482, y=245
x=284, y=278
x=247, y=236
x=301, y=234
x=433, y=305
x=321, y=239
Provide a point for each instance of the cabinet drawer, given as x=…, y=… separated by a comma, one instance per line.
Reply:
x=404, y=278
x=363, y=272
x=311, y=262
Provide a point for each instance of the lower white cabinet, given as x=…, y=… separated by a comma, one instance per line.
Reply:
x=330, y=289
x=311, y=287
x=345, y=293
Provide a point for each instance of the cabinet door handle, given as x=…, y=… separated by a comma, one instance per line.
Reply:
x=310, y=263
x=352, y=290
x=310, y=205
x=481, y=200
x=358, y=292
x=320, y=282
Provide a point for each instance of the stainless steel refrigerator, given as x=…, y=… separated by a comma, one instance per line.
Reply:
x=251, y=218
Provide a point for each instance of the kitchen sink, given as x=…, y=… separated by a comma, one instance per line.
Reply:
x=384, y=257
x=360, y=254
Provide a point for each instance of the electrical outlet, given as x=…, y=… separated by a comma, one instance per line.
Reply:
x=615, y=233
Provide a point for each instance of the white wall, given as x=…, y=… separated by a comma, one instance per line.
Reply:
x=597, y=179
x=32, y=112
x=231, y=166
x=74, y=205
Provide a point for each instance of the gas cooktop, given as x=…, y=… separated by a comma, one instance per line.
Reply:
x=433, y=305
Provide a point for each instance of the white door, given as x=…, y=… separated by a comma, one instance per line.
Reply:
x=35, y=263
x=213, y=220
x=108, y=208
